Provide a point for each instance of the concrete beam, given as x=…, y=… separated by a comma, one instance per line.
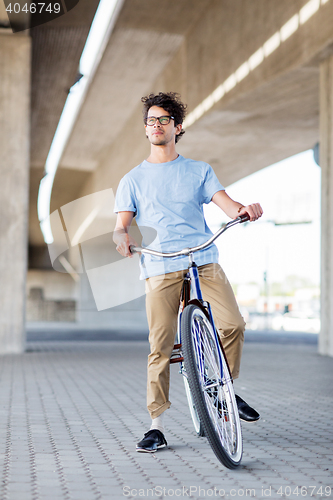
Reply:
x=326, y=163
x=14, y=167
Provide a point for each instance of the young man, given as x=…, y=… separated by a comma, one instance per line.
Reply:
x=166, y=192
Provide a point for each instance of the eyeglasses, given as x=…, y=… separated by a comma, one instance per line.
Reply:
x=164, y=120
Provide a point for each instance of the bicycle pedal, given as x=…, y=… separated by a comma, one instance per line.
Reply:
x=176, y=355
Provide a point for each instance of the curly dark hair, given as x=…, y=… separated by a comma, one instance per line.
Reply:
x=170, y=101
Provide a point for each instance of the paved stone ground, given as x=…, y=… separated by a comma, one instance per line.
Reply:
x=71, y=413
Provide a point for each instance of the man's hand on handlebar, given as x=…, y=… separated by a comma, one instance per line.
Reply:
x=234, y=209
x=254, y=211
x=124, y=241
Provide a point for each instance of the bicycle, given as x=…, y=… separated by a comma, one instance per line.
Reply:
x=203, y=364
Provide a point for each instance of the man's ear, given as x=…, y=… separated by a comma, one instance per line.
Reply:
x=179, y=128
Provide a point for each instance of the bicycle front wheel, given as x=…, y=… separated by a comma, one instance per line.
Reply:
x=193, y=411
x=211, y=386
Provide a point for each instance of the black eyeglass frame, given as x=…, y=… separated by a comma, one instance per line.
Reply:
x=159, y=119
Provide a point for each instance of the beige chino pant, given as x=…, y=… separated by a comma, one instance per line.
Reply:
x=162, y=304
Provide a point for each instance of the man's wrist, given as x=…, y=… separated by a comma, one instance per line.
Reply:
x=118, y=235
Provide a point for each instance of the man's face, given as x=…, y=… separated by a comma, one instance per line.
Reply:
x=158, y=134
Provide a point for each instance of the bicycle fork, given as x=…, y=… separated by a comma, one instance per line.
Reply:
x=191, y=293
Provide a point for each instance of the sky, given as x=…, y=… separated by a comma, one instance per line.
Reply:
x=288, y=191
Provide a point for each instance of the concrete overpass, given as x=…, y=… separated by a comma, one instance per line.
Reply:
x=258, y=81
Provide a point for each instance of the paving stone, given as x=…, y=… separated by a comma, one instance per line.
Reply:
x=19, y=487
x=21, y=480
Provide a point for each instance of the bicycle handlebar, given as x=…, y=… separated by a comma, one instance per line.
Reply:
x=188, y=251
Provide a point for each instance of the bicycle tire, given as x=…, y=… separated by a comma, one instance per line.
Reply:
x=193, y=411
x=212, y=392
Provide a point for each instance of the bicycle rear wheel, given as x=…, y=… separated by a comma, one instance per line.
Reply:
x=211, y=386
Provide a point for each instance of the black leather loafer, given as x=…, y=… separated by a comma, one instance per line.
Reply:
x=245, y=411
x=151, y=442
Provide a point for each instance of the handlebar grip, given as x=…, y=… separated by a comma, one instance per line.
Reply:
x=134, y=249
x=244, y=217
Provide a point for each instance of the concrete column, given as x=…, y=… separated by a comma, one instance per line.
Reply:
x=14, y=169
x=326, y=163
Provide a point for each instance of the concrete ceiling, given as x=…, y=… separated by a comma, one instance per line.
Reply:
x=190, y=47
x=56, y=50
x=275, y=121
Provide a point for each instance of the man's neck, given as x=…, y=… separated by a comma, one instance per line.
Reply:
x=162, y=154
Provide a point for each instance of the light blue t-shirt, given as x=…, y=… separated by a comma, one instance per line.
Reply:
x=168, y=198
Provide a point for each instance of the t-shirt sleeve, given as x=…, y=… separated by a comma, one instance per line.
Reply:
x=211, y=185
x=125, y=197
